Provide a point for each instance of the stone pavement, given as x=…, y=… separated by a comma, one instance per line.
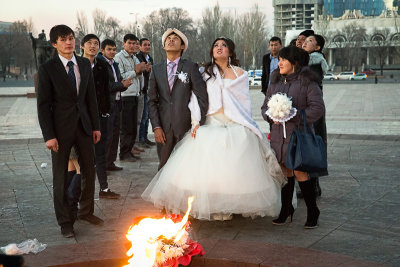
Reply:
x=360, y=214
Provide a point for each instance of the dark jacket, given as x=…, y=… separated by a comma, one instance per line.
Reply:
x=304, y=92
x=60, y=107
x=169, y=109
x=146, y=75
x=266, y=68
x=101, y=83
x=113, y=86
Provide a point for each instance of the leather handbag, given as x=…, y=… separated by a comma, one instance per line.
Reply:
x=306, y=151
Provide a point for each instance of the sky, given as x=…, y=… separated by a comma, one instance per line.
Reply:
x=47, y=13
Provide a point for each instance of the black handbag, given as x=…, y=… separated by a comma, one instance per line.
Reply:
x=306, y=151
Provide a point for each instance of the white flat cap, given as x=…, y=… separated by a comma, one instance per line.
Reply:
x=177, y=32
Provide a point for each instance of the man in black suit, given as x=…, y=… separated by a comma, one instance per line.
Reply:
x=145, y=57
x=169, y=96
x=68, y=115
x=270, y=62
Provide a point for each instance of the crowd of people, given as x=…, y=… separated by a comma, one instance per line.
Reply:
x=208, y=144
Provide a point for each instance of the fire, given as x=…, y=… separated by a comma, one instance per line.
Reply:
x=145, y=235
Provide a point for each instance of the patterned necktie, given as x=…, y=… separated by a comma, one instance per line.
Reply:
x=71, y=73
x=171, y=75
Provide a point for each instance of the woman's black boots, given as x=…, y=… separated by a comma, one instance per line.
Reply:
x=286, y=199
x=308, y=190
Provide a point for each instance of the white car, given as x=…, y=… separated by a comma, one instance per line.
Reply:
x=256, y=81
x=347, y=75
x=329, y=76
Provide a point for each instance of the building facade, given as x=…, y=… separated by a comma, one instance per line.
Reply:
x=295, y=15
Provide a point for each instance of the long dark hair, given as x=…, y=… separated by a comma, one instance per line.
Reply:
x=208, y=67
x=296, y=56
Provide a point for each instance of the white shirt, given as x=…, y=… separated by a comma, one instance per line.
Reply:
x=76, y=69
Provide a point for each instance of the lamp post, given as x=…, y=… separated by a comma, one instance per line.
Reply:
x=136, y=22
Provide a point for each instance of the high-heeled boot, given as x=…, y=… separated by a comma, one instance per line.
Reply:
x=308, y=190
x=286, y=200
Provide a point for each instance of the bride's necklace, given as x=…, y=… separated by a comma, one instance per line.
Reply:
x=224, y=72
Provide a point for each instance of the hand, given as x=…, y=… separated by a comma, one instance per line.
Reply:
x=139, y=68
x=126, y=83
x=159, y=136
x=96, y=136
x=52, y=144
x=148, y=67
x=194, y=130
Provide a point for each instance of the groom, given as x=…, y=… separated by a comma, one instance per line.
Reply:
x=169, y=95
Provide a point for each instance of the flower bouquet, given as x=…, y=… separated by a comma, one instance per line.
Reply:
x=171, y=254
x=280, y=109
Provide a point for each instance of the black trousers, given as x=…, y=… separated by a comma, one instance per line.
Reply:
x=113, y=125
x=101, y=154
x=85, y=149
x=129, y=124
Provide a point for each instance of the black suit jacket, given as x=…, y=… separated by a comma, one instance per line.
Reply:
x=265, y=73
x=170, y=109
x=60, y=107
x=100, y=75
x=146, y=75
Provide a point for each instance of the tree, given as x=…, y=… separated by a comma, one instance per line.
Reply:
x=99, y=21
x=380, y=39
x=17, y=48
x=82, y=27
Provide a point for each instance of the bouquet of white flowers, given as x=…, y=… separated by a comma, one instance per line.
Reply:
x=280, y=109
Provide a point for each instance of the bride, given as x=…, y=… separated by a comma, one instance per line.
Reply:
x=226, y=164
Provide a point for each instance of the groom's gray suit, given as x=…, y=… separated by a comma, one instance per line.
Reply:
x=169, y=109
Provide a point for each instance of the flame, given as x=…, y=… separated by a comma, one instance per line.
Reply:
x=145, y=234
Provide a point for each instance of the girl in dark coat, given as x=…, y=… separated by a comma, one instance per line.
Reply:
x=317, y=63
x=298, y=82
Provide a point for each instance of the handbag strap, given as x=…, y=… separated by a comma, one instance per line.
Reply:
x=302, y=115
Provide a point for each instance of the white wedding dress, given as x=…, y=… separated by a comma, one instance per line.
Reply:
x=228, y=168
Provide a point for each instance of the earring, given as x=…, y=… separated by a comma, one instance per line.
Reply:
x=212, y=60
x=229, y=60
x=293, y=68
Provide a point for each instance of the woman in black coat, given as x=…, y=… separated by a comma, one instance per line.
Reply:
x=299, y=83
x=317, y=63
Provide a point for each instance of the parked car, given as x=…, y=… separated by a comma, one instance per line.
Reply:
x=256, y=81
x=347, y=75
x=359, y=76
x=369, y=71
x=329, y=76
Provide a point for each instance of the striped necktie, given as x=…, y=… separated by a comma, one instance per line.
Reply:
x=171, y=76
x=71, y=73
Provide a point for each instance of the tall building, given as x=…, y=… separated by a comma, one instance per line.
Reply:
x=295, y=15
x=337, y=8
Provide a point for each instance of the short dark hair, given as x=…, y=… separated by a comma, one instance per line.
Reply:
x=293, y=42
x=142, y=40
x=320, y=41
x=296, y=56
x=275, y=38
x=131, y=37
x=60, y=31
x=87, y=37
x=307, y=33
x=107, y=42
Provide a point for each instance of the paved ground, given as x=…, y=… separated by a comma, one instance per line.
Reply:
x=360, y=214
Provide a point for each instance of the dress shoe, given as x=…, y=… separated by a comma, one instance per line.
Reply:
x=150, y=143
x=142, y=145
x=114, y=167
x=92, y=219
x=127, y=157
x=135, y=156
x=135, y=152
x=67, y=231
x=136, y=148
x=107, y=193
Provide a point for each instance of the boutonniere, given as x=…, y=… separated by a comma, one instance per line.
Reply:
x=182, y=76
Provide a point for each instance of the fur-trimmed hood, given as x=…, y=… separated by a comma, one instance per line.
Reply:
x=304, y=74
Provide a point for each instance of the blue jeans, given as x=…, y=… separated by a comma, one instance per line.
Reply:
x=144, y=123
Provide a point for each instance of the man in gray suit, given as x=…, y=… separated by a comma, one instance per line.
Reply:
x=169, y=95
